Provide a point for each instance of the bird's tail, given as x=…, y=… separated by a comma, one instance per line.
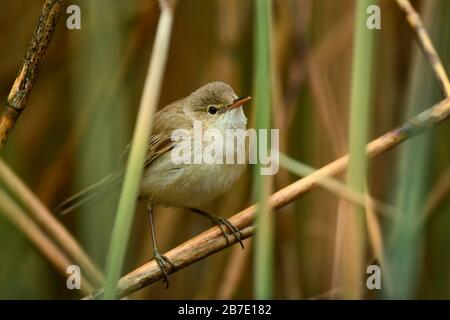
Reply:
x=101, y=187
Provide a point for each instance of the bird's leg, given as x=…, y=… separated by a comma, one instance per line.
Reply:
x=160, y=259
x=221, y=223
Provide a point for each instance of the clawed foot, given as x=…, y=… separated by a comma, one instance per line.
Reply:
x=162, y=263
x=222, y=223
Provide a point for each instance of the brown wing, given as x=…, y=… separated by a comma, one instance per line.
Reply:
x=158, y=145
x=160, y=141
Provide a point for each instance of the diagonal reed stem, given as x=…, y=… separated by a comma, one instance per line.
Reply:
x=212, y=240
x=38, y=238
x=425, y=42
x=46, y=219
x=135, y=165
x=27, y=75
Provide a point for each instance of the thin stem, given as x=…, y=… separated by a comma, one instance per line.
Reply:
x=27, y=75
x=212, y=241
x=17, y=216
x=337, y=187
x=46, y=219
x=425, y=42
x=353, y=225
x=264, y=239
x=135, y=165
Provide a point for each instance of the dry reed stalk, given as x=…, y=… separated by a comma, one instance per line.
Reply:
x=46, y=220
x=212, y=240
x=29, y=71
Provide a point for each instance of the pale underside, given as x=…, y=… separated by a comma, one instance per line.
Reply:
x=186, y=185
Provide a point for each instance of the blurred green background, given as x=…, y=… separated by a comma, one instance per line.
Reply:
x=83, y=107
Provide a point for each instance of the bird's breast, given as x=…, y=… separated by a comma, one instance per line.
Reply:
x=191, y=184
x=188, y=185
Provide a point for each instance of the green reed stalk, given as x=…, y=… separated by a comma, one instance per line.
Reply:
x=353, y=224
x=135, y=165
x=263, y=259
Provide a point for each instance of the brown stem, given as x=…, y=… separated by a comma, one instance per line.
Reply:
x=425, y=42
x=212, y=240
x=32, y=62
x=49, y=223
x=39, y=239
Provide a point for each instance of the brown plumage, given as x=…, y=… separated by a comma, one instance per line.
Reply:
x=215, y=105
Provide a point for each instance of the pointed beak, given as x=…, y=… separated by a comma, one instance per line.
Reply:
x=239, y=102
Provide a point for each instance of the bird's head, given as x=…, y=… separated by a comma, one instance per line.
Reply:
x=217, y=104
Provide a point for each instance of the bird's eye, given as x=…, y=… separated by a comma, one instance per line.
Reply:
x=212, y=110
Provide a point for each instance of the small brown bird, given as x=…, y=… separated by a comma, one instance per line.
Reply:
x=188, y=185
